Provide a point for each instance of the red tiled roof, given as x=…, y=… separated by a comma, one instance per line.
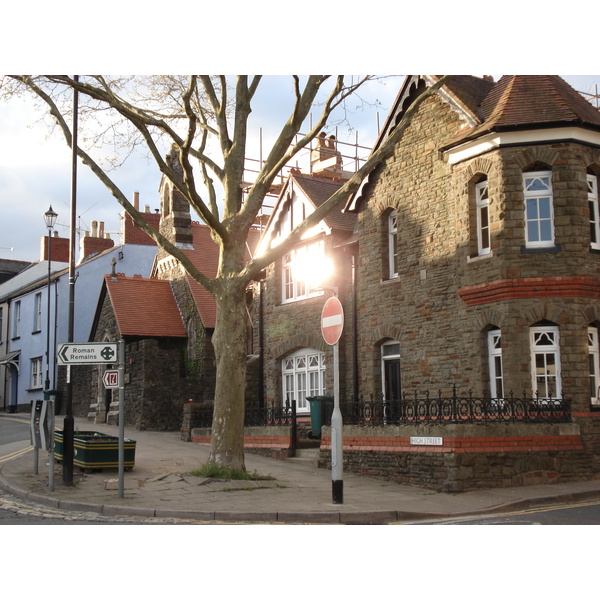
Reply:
x=205, y=256
x=532, y=101
x=144, y=307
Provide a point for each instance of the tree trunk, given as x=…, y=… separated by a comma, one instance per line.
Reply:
x=230, y=345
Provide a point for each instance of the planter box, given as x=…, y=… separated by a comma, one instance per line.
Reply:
x=92, y=450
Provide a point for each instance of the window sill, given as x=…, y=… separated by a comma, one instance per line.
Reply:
x=595, y=251
x=389, y=281
x=542, y=250
x=478, y=257
x=36, y=332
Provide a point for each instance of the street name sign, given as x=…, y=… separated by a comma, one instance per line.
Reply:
x=426, y=441
x=110, y=379
x=332, y=321
x=91, y=353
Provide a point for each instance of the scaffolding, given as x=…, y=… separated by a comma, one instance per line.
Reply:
x=353, y=156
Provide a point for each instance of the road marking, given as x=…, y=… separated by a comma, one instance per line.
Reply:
x=16, y=454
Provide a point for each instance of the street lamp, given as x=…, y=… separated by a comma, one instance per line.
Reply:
x=50, y=220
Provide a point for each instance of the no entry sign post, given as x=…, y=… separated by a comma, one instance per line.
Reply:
x=332, y=325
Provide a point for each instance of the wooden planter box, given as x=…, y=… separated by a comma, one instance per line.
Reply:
x=92, y=450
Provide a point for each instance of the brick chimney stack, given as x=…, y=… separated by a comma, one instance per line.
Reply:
x=94, y=241
x=60, y=248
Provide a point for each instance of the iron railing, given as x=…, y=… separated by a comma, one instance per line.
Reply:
x=255, y=415
x=439, y=409
x=413, y=408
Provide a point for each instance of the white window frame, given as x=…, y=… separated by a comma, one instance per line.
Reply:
x=294, y=287
x=594, y=362
x=37, y=312
x=592, y=187
x=545, y=353
x=495, y=363
x=536, y=219
x=390, y=352
x=392, y=226
x=303, y=375
x=482, y=203
x=16, y=332
x=36, y=373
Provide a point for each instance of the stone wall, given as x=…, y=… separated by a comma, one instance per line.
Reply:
x=469, y=457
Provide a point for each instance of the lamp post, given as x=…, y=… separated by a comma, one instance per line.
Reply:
x=50, y=219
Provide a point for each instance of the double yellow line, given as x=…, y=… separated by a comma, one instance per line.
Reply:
x=15, y=454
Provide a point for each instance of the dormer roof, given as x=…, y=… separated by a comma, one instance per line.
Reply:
x=314, y=190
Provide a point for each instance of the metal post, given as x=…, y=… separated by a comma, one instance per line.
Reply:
x=337, y=482
x=69, y=422
x=121, y=418
x=51, y=447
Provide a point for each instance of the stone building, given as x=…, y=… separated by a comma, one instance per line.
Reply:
x=296, y=358
x=167, y=321
x=471, y=350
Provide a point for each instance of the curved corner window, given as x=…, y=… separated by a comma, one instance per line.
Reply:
x=539, y=211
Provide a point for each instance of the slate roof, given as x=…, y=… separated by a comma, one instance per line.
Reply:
x=318, y=190
x=144, y=307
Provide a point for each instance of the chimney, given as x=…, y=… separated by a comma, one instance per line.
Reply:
x=325, y=159
x=59, y=250
x=94, y=242
x=136, y=200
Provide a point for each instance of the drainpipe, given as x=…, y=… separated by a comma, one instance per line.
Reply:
x=261, y=347
x=354, y=330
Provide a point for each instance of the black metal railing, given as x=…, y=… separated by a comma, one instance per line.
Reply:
x=438, y=409
x=255, y=415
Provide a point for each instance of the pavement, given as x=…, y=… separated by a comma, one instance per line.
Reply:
x=160, y=486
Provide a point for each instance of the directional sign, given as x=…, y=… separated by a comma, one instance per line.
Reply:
x=110, y=379
x=92, y=353
x=332, y=321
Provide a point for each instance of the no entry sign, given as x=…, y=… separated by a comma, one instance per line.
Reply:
x=332, y=321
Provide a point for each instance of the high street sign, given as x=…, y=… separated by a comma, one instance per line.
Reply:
x=91, y=353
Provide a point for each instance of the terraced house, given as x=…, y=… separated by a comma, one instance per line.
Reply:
x=470, y=356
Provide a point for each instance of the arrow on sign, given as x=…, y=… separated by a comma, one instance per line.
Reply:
x=87, y=354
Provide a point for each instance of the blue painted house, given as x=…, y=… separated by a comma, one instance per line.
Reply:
x=30, y=321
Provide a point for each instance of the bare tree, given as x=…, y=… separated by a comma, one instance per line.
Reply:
x=192, y=113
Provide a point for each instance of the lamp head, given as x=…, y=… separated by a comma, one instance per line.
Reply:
x=50, y=218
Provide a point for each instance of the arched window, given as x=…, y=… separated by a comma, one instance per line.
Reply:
x=482, y=202
x=392, y=229
x=495, y=363
x=303, y=376
x=391, y=381
x=594, y=360
x=545, y=361
x=592, y=189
